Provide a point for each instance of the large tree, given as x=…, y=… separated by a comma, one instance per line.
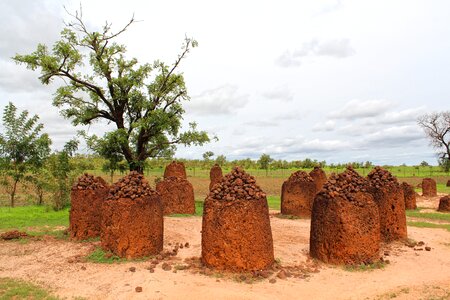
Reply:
x=437, y=129
x=23, y=148
x=144, y=101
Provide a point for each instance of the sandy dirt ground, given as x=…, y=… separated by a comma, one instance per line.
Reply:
x=59, y=265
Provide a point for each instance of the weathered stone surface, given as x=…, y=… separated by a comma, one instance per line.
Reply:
x=410, y=196
x=87, y=197
x=177, y=196
x=444, y=204
x=236, y=232
x=175, y=169
x=319, y=177
x=215, y=175
x=297, y=195
x=388, y=194
x=345, y=222
x=429, y=187
x=132, y=219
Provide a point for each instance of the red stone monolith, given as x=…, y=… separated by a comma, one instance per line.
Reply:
x=297, y=195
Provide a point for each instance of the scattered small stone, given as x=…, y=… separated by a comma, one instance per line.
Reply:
x=418, y=249
x=152, y=270
x=428, y=248
x=186, y=245
x=282, y=274
x=108, y=255
x=83, y=268
x=166, y=267
x=273, y=280
x=387, y=261
x=386, y=253
x=421, y=243
x=242, y=277
x=175, y=271
x=132, y=269
x=138, y=289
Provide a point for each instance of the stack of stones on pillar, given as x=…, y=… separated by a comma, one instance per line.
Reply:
x=410, y=196
x=429, y=187
x=236, y=232
x=388, y=194
x=215, y=175
x=345, y=222
x=444, y=204
x=86, y=198
x=175, y=169
x=177, y=193
x=319, y=177
x=448, y=182
x=132, y=220
x=297, y=195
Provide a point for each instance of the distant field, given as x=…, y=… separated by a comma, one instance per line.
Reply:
x=270, y=183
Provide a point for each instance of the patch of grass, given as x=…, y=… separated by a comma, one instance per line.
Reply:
x=19, y=289
x=23, y=217
x=274, y=202
x=198, y=211
x=290, y=217
x=101, y=257
x=428, y=215
x=429, y=225
x=365, y=267
x=105, y=257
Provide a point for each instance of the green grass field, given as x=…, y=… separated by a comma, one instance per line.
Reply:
x=28, y=217
x=11, y=289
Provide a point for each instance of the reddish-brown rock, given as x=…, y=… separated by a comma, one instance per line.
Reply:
x=132, y=219
x=87, y=197
x=215, y=175
x=175, y=169
x=297, y=195
x=12, y=235
x=319, y=177
x=448, y=182
x=388, y=194
x=410, y=196
x=444, y=204
x=177, y=196
x=345, y=222
x=429, y=187
x=236, y=232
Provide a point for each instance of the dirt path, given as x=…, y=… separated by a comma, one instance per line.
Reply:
x=410, y=275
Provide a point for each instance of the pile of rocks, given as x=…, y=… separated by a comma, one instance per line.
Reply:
x=132, y=219
x=429, y=187
x=215, y=175
x=87, y=196
x=345, y=222
x=319, y=177
x=132, y=186
x=388, y=194
x=297, y=194
x=236, y=232
x=177, y=193
x=410, y=196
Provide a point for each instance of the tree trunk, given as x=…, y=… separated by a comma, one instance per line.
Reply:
x=13, y=193
x=137, y=166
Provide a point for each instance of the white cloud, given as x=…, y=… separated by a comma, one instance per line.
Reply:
x=337, y=48
x=281, y=93
x=395, y=136
x=356, y=109
x=261, y=124
x=219, y=101
x=329, y=125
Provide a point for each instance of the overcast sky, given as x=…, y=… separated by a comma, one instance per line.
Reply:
x=329, y=80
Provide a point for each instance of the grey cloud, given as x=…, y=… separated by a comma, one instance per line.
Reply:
x=17, y=79
x=222, y=100
x=356, y=109
x=395, y=136
x=337, y=48
x=281, y=93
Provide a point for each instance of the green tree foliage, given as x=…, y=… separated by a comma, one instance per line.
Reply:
x=221, y=160
x=264, y=162
x=437, y=129
x=22, y=148
x=143, y=101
